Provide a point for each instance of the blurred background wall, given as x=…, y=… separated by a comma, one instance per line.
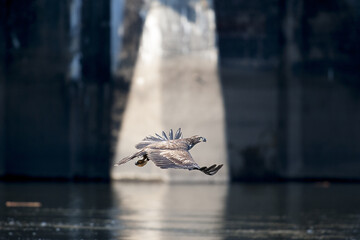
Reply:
x=289, y=73
x=56, y=91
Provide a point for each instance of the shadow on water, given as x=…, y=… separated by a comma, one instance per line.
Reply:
x=292, y=211
x=126, y=210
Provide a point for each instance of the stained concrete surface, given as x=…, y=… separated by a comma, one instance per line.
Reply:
x=288, y=85
x=126, y=210
x=175, y=84
x=290, y=79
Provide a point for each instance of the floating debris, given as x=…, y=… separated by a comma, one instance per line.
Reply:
x=22, y=204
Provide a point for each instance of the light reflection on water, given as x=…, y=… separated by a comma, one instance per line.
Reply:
x=162, y=211
x=125, y=210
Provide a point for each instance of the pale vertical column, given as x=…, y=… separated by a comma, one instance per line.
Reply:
x=176, y=84
x=143, y=111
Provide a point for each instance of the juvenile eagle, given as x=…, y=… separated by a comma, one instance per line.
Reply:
x=169, y=152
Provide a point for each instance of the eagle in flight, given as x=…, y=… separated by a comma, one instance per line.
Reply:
x=169, y=152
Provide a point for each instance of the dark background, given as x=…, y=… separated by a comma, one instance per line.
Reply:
x=290, y=74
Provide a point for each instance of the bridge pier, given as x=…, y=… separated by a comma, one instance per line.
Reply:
x=175, y=84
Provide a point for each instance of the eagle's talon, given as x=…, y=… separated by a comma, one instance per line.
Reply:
x=142, y=162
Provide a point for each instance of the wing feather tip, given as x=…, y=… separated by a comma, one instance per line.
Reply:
x=171, y=136
x=212, y=170
x=178, y=134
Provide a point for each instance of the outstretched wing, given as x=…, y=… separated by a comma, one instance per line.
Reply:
x=179, y=159
x=173, y=159
x=157, y=138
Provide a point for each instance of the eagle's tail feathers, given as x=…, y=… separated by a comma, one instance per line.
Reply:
x=125, y=160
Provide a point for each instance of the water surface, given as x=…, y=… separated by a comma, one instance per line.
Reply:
x=124, y=210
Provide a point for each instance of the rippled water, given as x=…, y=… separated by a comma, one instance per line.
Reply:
x=124, y=210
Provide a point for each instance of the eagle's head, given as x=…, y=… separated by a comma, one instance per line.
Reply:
x=195, y=140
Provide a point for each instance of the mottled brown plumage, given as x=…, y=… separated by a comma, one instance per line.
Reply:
x=169, y=152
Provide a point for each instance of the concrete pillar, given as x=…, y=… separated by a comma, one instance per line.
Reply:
x=290, y=93
x=2, y=128
x=57, y=101
x=175, y=84
x=291, y=24
x=2, y=101
x=95, y=71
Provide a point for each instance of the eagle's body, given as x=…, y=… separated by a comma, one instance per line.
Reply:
x=169, y=152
